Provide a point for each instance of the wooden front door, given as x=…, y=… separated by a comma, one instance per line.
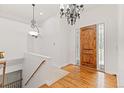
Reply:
x=88, y=46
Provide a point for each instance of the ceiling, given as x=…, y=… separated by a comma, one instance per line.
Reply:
x=23, y=12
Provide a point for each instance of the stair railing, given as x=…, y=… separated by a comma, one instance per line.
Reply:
x=35, y=72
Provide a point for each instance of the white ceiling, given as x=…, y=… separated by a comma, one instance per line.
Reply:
x=23, y=12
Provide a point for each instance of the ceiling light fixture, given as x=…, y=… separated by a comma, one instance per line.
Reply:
x=71, y=12
x=35, y=30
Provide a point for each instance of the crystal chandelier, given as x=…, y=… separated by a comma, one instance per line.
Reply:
x=71, y=12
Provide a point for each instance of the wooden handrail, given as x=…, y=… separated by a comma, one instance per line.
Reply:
x=34, y=72
x=4, y=68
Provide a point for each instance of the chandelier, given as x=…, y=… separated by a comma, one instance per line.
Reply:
x=35, y=31
x=71, y=12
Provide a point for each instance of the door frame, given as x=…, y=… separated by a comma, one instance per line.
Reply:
x=77, y=45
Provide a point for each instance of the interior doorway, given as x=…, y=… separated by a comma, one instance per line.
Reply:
x=91, y=44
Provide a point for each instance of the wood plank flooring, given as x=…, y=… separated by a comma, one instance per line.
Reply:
x=84, y=77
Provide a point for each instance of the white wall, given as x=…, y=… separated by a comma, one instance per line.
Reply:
x=121, y=47
x=12, y=38
x=106, y=14
x=56, y=31
x=53, y=41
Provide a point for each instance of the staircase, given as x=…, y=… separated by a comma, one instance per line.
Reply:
x=35, y=73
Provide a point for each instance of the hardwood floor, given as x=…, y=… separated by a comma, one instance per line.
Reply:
x=84, y=77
